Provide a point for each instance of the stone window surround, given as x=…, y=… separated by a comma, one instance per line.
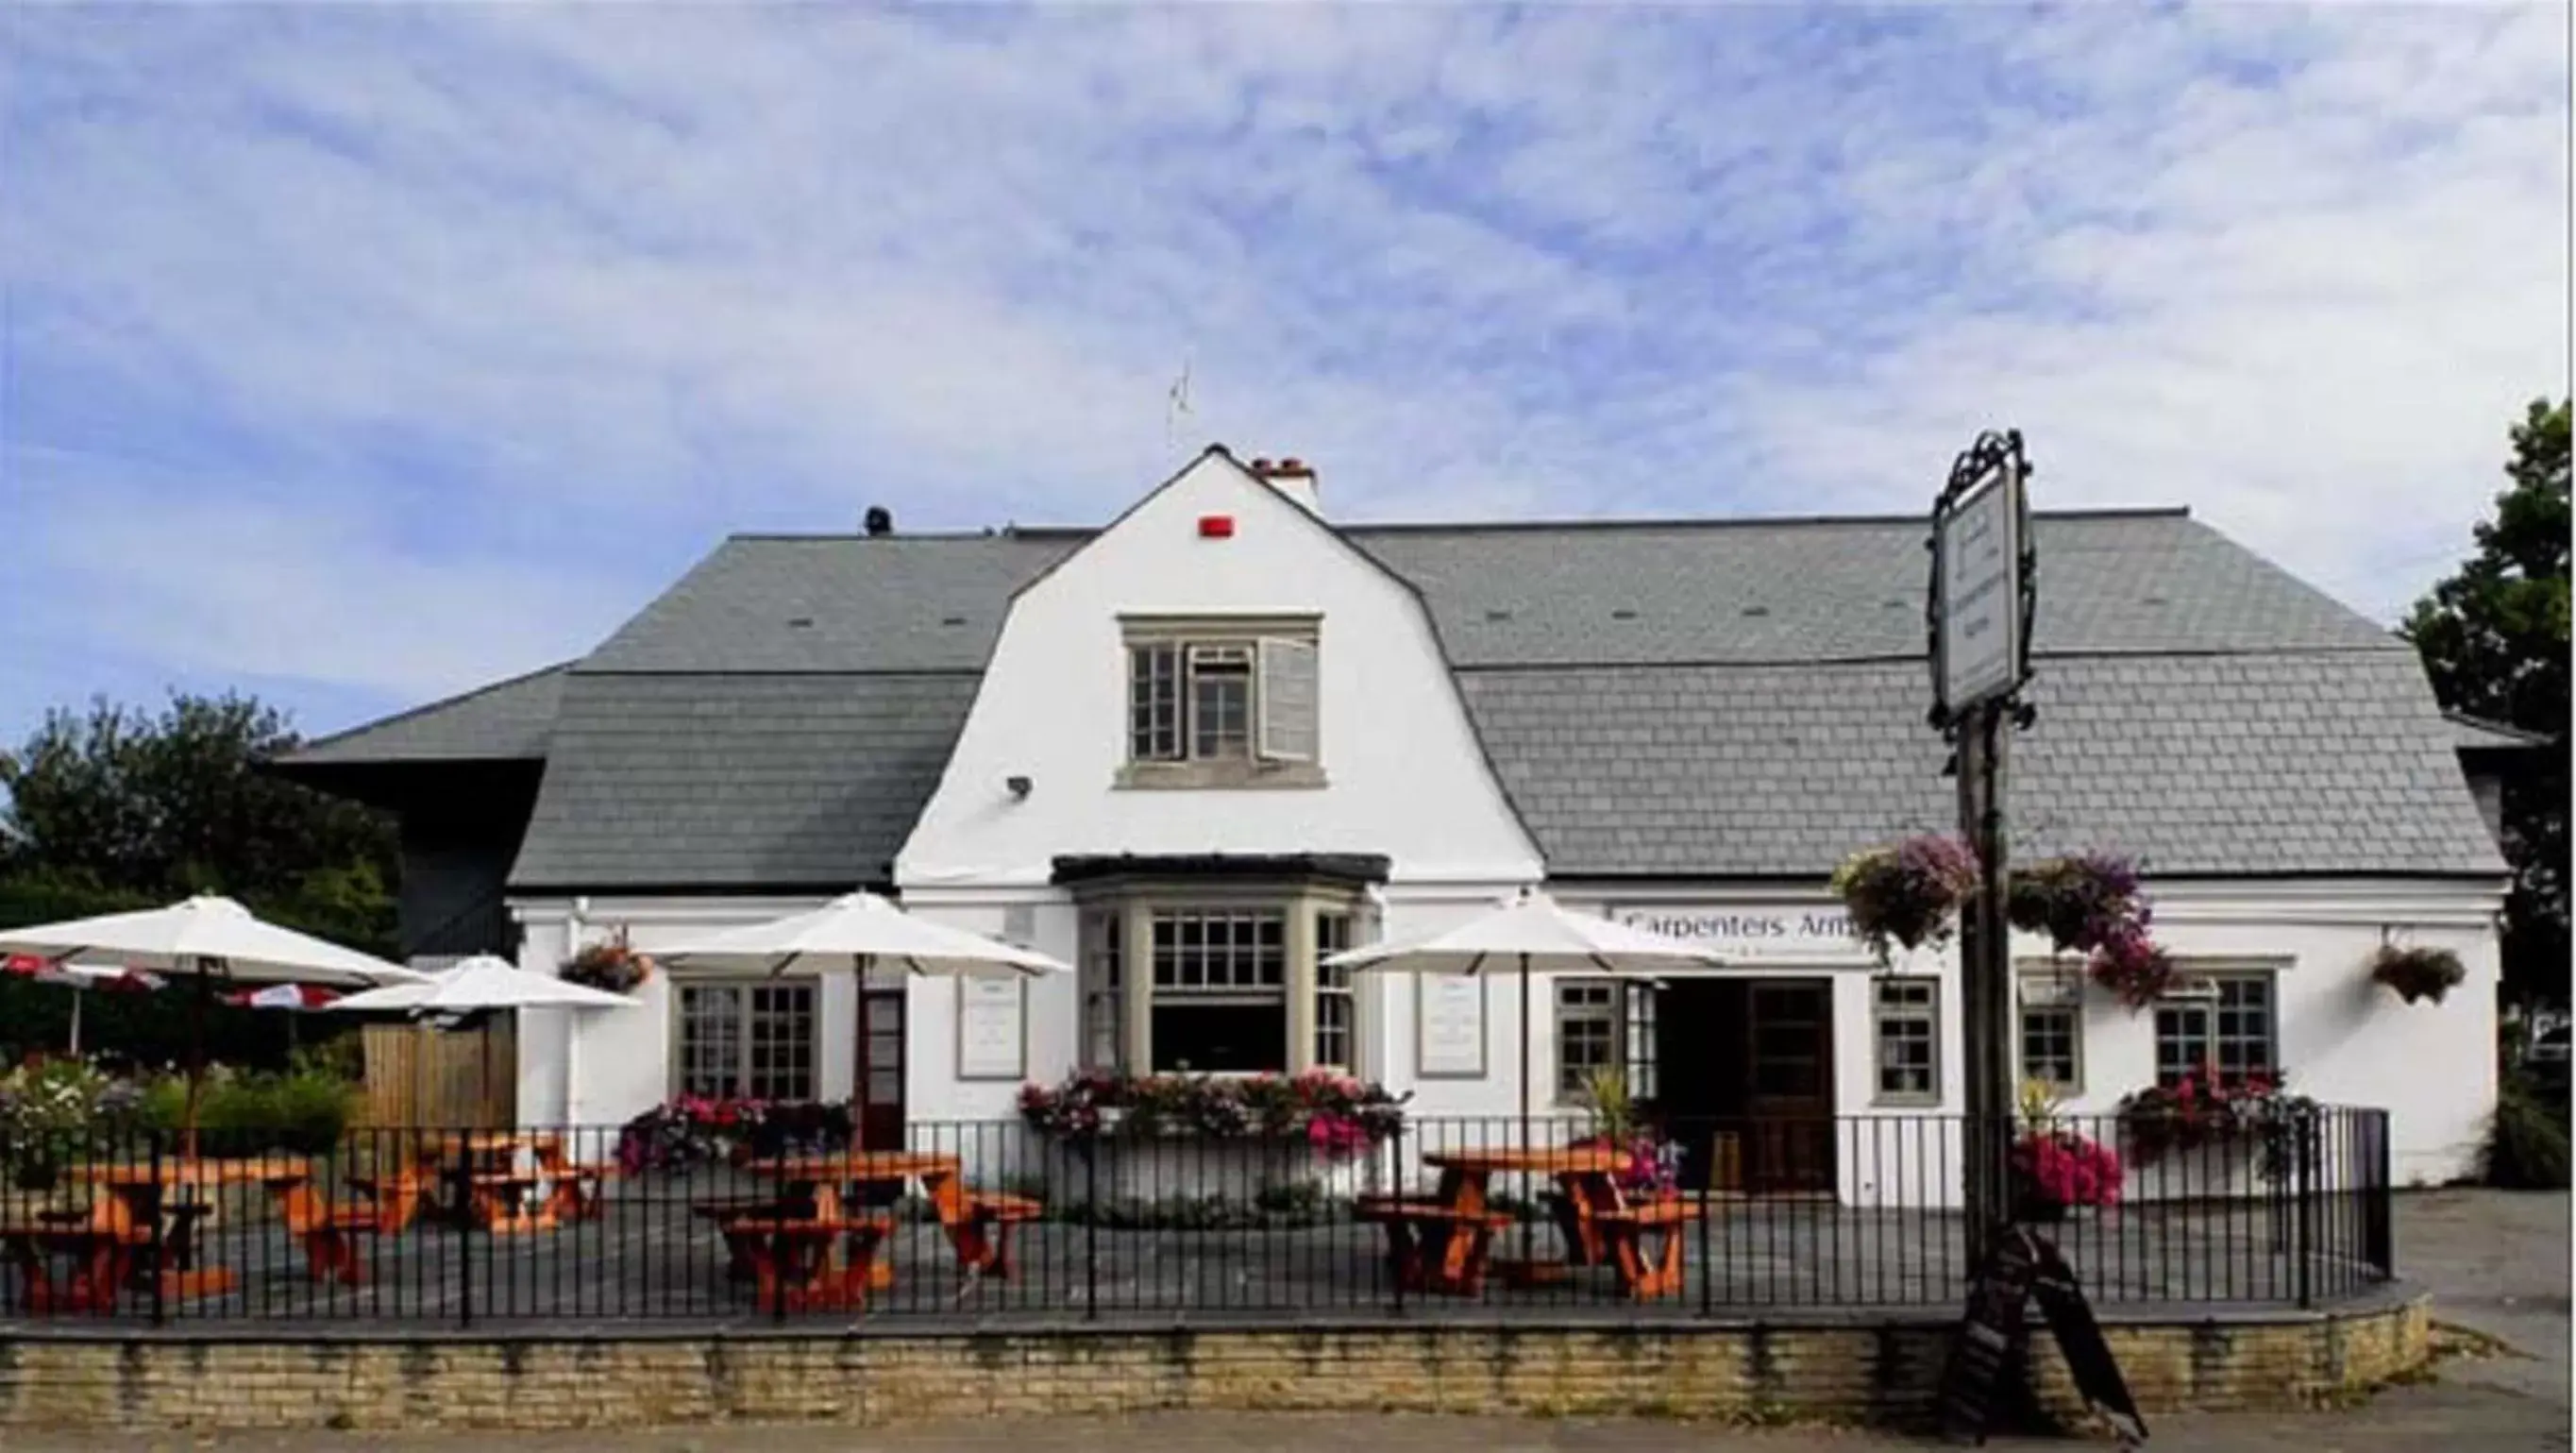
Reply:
x=1301, y=898
x=1193, y=774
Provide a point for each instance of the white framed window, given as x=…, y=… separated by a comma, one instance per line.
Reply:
x=1335, y=1022
x=746, y=1040
x=1220, y=990
x=2222, y=1020
x=1216, y=696
x=2051, y=1029
x=1103, y=970
x=1604, y=1024
x=1589, y=1028
x=1905, y=1013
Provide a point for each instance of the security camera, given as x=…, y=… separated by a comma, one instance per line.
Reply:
x=1019, y=786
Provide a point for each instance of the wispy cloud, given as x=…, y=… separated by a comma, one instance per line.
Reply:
x=367, y=353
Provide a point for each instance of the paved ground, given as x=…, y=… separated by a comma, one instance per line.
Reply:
x=652, y=1257
x=2498, y=1263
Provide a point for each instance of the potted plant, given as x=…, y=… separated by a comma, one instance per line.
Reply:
x=610, y=964
x=2082, y=901
x=2056, y=1168
x=2131, y=966
x=2417, y=973
x=1907, y=895
x=1612, y=1108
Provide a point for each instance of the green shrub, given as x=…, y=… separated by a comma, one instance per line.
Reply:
x=305, y=1113
x=310, y=1111
x=2526, y=1145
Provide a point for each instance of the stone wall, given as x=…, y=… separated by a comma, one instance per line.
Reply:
x=1776, y=1372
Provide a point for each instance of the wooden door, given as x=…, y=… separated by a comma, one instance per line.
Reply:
x=879, y=1089
x=1789, y=1065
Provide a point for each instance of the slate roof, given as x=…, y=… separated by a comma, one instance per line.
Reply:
x=505, y=721
x=1712, y=698
x=2281, y=762
x=2477, y=734
x=688, y=780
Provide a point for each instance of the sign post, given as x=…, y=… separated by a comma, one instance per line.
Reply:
x=1982, y=591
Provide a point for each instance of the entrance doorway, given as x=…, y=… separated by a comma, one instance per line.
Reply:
x=1746, y=1073
x=879, y=1088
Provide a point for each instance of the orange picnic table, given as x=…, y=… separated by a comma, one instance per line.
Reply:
x=507, y=1180
x=1443, y=1242
x=169, y=1199
x=794, y=1247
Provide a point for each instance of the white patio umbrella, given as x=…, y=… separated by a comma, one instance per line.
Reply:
x=478, y=985
x=208, y=939
x=1535, y=933
x=854, y=930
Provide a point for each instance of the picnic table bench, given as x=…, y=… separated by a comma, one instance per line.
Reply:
x=96, y=1261
x=1435, y=1245
x=173, y=1198
x=329, y=1234
x=978, y=1223
x=1443, y=1242
x=810, y=1263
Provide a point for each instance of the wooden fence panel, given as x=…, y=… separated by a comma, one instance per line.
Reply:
x=462, y=1080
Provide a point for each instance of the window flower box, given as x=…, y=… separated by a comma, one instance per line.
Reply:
x=1161, y=1139
x=2204, y=1112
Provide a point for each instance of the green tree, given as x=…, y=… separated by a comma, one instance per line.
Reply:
x=2494, y=639
x=122, y=805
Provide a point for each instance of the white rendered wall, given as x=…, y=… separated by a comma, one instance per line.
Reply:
x=2342, y=1039
x=607, y=1067
x=1407, y=777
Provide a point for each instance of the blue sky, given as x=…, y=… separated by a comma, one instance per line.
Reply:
x=359, y=355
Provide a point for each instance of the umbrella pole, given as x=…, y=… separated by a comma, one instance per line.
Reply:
x=1526, y=1256
x=196, y=1059
x=76, y=1008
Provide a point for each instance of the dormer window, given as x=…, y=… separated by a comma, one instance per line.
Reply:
x=1222, y=703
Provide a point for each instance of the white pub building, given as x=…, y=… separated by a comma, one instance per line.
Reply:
x=1195, y=749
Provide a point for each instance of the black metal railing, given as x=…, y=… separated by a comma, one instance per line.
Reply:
x=1491, y=1217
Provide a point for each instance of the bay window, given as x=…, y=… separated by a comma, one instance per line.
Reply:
x=1220, y=998
x=1334, y=1020
x=1217, y=970
x=1103, y=972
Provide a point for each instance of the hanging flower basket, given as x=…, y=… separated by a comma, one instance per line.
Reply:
x=2081, y=902
x=610, y=964
x=2418, y=973
x=1907, y=895
x=2135, y=971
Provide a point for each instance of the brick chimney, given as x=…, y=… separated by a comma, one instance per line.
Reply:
x=1292, y=477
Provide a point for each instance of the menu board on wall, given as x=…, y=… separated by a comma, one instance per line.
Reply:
x=992, y=1036
x=1449, y=1026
